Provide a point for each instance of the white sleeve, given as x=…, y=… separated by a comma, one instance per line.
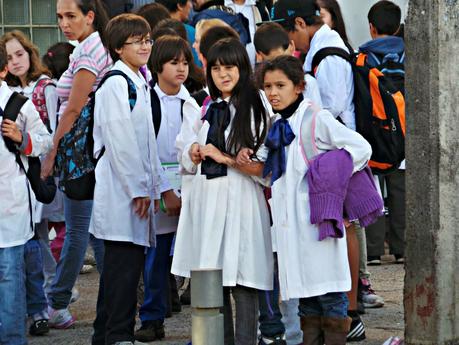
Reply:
x=51, y=105
x=334, y=77
x=188, y=135
x=311, y=90
x=330, y=134
x=112, y=114
x=29, y=121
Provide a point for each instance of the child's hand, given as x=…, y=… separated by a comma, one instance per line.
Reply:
x=172, y=203
x=195, y=154
x=211, y=151
x=47, y=165
x=141, y=206
x=11, y=130
x=243, y=157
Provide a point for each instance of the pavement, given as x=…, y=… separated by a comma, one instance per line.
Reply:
x=381, y=323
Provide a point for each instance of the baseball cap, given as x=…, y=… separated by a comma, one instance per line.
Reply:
x=289, y=9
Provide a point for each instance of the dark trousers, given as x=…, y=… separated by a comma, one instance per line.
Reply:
x=117, y=299
x=395, y=202
x=156, y=279
x=270, y=318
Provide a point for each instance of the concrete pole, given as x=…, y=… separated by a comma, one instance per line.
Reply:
x=206, y=301
x=431, y=295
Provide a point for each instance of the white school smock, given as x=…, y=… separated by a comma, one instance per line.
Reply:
x=333, y=75
x=15, y=227
x=171, y=122
x=129, y=167
x=225, y=226
x=309, y=267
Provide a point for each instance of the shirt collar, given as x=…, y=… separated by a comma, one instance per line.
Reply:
x=229, y=3
x=137, y=78
x=183, y=94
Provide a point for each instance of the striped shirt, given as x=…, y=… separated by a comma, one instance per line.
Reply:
x=90, y=55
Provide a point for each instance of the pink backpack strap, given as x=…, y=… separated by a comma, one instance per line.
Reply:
x=312, y=110
x=205, y=105
x=39, y=99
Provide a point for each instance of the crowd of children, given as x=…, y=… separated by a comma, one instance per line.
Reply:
x=225, y=138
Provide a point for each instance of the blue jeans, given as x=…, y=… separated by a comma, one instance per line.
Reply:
x=270, y=318
x=156, y=279
x=36, y=299
x=77, y=217
x=12, y=296
x=332, y=304
x=49, y=264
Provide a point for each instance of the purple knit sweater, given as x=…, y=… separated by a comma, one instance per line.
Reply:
x=334, y=191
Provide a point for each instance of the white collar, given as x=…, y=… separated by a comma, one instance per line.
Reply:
x=183, y=94
x=229, y=3
x=137, y=78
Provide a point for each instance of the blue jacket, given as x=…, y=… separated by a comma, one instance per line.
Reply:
x=389, y=47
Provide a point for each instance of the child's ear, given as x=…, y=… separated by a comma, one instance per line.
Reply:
x=373, y=31
x=291, y=48
x=203, y=61
x=4, y=73
x=258, y=57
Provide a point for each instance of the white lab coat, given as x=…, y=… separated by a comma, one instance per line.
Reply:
x=15, y=227
x=225, y=221
x=334, y=76
x=129, y=167
x=309, y=267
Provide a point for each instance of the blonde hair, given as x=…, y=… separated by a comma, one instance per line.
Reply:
x=205, y=24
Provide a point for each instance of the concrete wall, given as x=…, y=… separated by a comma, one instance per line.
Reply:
x=432, y=276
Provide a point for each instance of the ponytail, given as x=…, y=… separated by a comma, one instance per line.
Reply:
x=100, y=15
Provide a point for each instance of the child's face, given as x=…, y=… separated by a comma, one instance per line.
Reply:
x=18, y=58
x=136, y=51
x=175, y=72
x=300, y=36
x=326, y=17
x=225, y=78
x=280, y=90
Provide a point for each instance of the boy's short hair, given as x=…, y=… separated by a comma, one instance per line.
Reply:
x=172, y=5
x=269, y=37
x=153, y=13
x=284, y=12
x=3, y=57
x=167, y=48
x=385, y=16
x=121, y=27
x=169, y=23
x=210, y=37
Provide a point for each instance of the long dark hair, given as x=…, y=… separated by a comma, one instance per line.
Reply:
x=100, y=15
x=245, y=96
x=57, y=58
x=334, y=9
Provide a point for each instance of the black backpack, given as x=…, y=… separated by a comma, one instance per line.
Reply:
x=379, y=106
x=156, y=110
x=44, y=191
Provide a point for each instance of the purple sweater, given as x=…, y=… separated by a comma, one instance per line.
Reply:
x=335, y=191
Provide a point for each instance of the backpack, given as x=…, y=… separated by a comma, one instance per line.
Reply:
x=379, y=106
x=156, y=110
x=75, y=161
x=39, y=100
x=44, y=191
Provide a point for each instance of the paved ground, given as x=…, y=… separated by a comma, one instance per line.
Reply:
x=380, y=323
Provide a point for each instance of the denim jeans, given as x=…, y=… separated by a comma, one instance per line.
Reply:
x=77, y=217
x=291, y=320
x=270, y=315
x=246, y=301
x=49, y=264
x=332, y=304
x=36, y=299
x=12, y=296
x=156, y=279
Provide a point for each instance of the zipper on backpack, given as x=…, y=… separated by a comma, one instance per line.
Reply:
x=394, y=128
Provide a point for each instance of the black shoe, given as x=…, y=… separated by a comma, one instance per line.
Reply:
x=373, y=260
x=357, y=330
x=276, y=340
x=399, y=259
x=150, y=331
x=39, y=327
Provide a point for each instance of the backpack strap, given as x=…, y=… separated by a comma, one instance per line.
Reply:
x=11, y=112
x=39, y=99
x=155, y=110
x=329, y=51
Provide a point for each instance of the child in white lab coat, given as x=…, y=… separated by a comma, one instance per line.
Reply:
x=126, y=178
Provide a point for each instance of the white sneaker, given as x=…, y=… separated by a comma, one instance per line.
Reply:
x=75, y=295
x=369, y=298
x=60, y=318
x=86, y=269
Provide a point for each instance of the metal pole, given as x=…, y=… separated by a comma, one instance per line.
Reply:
x=206, y=301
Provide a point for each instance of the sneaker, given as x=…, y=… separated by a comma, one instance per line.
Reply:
x=276, y=340
x=39, y=327
x=150, y=331
x=357, y=330
x=399, y=259
x=60, y=318
x=75, y=295
x=369, y=298
x=86, y=269
x=373, y=260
